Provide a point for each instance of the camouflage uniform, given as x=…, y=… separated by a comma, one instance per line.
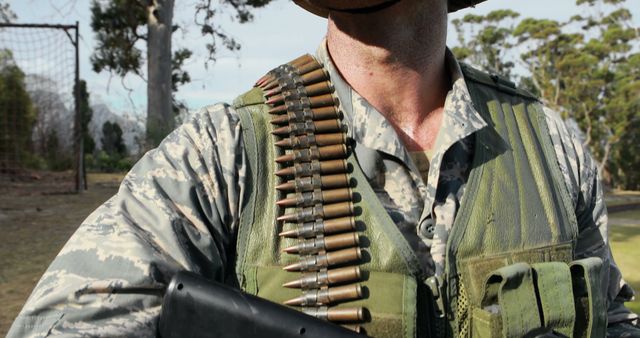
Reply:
x=178, y=209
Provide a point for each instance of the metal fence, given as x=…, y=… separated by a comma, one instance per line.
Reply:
x=39, y=99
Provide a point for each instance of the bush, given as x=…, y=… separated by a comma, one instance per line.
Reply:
x=104, y=162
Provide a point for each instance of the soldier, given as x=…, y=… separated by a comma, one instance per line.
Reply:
x=471, y=197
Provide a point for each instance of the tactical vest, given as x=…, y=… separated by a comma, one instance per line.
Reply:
x=510, y=268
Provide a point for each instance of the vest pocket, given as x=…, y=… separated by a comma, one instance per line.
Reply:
x=509, y=305
x=485, y=324
x=550, y=299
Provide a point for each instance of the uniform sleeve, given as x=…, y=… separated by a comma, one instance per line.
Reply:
x=177, y=209
x=581, y=176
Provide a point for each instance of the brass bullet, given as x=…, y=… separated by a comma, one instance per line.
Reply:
x=314, y=153
x=305, y=141
x=302, y=60
x=328, y=243
x=314, y=197
x=323, y=100
x=275, y=99
x=325, y=277
x=278, y=109
x=306, y=127
x=336, y=314
x=314, y=76
x=319, y=211
x=308, y=67
x=272, y=92
x=326, y=296
x=322, y=113
x=314, y=167
x=317, y=262
x=353, y=327
x=319, y=227
x=315, y=182
x=271, y=84
x=319, y=88
x=304, y=102
x=267, y=77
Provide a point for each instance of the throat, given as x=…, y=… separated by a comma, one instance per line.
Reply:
x=419, y=135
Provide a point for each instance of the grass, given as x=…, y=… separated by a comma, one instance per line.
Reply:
x=37, y=217
x=625, y=243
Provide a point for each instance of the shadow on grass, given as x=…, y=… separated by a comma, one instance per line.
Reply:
x=624, y=233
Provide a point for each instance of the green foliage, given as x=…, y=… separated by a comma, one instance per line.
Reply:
x=6, y=14
x=17, y=114
x=586, y=68
x=85, y=113
x=103, y=162
x=112, y=142
x=113, y=156
x=491, y=39
x=120, y=25
x=54, y=158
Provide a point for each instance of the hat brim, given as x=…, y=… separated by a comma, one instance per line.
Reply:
x=454, y=5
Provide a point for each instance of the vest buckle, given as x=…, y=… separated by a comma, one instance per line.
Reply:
x=434, y=283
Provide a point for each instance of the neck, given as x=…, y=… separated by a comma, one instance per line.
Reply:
x=398, y=51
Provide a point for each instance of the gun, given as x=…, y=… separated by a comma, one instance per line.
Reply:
x=196, y=307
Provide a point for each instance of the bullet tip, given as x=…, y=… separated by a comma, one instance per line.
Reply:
x=289, y=233
x=291, y=285
x=290, y=250
x=294, y=301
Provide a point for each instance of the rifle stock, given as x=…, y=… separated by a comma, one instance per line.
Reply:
x=196, y=307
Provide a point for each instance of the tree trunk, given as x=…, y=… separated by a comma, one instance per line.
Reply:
x=160, y=119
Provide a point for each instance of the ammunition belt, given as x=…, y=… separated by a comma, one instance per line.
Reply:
x=315, y=191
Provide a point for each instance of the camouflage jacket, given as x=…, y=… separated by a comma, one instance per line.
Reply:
x=178, y=209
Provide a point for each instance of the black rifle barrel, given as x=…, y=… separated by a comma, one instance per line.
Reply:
x=196, y=307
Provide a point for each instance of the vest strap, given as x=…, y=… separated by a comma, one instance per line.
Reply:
x=589, y=301
x=553, y=286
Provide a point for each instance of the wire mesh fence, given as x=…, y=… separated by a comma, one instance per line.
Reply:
x=38, y=73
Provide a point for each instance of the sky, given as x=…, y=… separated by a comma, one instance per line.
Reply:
x=279, y=32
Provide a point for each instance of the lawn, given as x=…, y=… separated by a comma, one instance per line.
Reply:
x=39, y=214
x=624, y=235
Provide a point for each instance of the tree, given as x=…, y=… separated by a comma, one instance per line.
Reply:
x=119, y=27
x=586, y=68
x=588, y=75
x=112, y=142
x=85, y=117
x=489, y=43
x=17, y=114
x=6, y=14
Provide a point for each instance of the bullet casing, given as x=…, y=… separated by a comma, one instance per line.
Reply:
x=311, y=183
x=308, y=140
x=305, y=102
x=302, y=60
x=336, y=314
x=311, y=168
x=326, y=277
x=353, y=327
x=318, y=227
x=308, y=67
x=317, y=262
x=321, y=113
x=313, y=153
x=327, y=296
x=308, y=127
x=323, y=211
x=324, y=243
x=314, y=76
x=310, y=198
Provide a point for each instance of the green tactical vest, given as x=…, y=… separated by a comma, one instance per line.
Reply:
x=510, y=269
